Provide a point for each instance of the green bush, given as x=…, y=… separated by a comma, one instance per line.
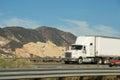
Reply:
x=15, y=63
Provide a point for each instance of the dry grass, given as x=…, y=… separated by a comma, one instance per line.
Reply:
x=15, y=63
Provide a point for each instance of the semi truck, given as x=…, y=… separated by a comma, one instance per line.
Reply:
x=93, y=49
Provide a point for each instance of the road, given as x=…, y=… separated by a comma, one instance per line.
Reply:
x=61, y=65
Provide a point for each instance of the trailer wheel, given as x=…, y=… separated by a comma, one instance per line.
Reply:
x=80, y=61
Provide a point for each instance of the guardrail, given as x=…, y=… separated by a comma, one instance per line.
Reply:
x=50, y=72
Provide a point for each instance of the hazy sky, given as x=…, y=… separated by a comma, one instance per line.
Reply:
x=80, y=17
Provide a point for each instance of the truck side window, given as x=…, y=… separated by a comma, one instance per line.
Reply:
x=76, y=47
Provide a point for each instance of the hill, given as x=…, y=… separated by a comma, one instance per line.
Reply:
x=15, y=37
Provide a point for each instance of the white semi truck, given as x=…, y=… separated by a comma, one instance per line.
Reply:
x=93, y=49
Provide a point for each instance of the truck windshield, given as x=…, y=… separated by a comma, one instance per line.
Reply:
x=76, y=47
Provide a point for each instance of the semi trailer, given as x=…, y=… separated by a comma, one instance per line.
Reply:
x=93, y=49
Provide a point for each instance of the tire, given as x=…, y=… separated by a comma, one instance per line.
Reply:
x=106, y=61
x=80, y=61
x=99, y=61
x=110, y=65
x=67, y=62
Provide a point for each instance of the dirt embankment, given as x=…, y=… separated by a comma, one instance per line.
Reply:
x=40, y=49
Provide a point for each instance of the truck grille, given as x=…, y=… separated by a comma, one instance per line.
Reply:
x=68, y=54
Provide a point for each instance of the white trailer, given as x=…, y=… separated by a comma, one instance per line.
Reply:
x=95, y=49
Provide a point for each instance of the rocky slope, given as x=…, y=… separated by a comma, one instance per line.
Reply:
x=40, y=49
x=15, y=37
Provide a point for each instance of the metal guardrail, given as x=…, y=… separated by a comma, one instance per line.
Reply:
x=50, y=72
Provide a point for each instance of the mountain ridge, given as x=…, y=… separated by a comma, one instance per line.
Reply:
x=15, y=37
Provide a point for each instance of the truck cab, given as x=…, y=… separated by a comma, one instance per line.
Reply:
x=73, y=54
x=81, y=51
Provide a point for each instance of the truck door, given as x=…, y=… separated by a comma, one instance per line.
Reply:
x=91, y=50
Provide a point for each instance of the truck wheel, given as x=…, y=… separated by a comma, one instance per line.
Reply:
x=110, y=65
x=80, y=61
x=99, y=61
x=67, y=62
x=106, y=61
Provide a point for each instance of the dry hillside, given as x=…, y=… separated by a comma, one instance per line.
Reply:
x=40, y=49
x=23, y=41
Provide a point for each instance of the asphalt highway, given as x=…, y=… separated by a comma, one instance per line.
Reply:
x=62, y=65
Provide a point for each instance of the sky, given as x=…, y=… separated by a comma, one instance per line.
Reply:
x=80, y=17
